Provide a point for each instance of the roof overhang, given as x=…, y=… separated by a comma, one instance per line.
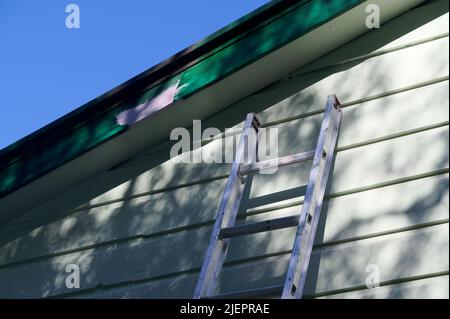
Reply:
x=276, y=40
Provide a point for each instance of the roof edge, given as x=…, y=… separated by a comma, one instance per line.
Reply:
x=153, y=74
x=96, y=122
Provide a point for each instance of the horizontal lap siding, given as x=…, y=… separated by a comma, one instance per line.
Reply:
x=428, y=288
x=143, y=258
x=150, y=215
x=141, y=232
x=399, y=257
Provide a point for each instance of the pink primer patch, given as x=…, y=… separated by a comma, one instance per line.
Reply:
x=134, y=115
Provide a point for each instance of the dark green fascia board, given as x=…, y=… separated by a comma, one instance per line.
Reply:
x=235, y=47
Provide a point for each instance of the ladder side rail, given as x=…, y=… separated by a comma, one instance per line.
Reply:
x=323, y=158
x=227, y=212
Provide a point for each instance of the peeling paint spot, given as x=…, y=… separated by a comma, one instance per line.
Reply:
x=135, y=114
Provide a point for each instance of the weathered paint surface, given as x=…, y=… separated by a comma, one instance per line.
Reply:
x=140, y=112
x=140, y=230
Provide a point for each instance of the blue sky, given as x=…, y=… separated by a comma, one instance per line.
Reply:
x=47, y=70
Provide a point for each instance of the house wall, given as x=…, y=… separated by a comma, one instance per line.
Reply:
x=141, y=229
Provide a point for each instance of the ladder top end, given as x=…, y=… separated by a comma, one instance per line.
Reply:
x=336, y=102
x=256, y=123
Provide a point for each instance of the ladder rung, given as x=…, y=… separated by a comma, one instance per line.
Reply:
x=251, y=293
x=276, y=162
x=267, y=225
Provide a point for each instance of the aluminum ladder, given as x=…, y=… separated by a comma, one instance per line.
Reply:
x=244, y=164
